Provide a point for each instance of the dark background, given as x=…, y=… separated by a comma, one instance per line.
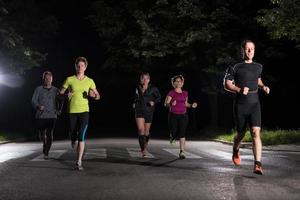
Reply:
x=113, y=114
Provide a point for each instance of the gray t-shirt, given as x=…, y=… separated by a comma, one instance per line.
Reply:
x=46, y=97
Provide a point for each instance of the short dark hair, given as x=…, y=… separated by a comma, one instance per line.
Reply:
x=244, y=42
x=45, y=73
x=81, y=59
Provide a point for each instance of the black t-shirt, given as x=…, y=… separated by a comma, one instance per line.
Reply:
x=245, y=75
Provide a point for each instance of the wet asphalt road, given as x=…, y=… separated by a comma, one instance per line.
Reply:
x=114, y=169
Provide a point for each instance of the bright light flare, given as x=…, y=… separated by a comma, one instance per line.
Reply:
x=10, y=80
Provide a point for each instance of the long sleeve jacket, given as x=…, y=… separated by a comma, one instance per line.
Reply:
x=142, y=99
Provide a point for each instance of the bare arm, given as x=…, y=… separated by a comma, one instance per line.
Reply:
x=168, y=101
x=188, y=105
x=229, y=85
x=261, y=85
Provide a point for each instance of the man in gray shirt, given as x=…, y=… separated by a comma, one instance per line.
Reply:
x=45, y=106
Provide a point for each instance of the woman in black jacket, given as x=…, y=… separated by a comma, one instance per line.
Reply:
x=146, y=97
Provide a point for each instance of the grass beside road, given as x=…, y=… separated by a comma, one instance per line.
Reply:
x=7, y=136
x=269, y=137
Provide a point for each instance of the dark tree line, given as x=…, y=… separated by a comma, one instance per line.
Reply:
x=200, y=38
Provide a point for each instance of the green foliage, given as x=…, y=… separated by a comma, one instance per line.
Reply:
x=21, y=30
x=182, y=33
x=10, y=136
x=283, y=20
x=269, y=137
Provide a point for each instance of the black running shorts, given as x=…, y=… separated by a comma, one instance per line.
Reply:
x=247, y=114
x=139, y=113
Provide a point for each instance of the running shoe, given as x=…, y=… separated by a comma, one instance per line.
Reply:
x=257, y=168
x=144, y=155
x=236, y=159
x=182, y=155
x=79, y=166
x=172, y=140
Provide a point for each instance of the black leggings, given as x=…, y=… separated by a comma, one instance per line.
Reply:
x=45, y=128
x=177, y=124
x=47, y=137
x=78, y=126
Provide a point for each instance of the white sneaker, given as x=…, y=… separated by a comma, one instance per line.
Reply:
x=79, y=166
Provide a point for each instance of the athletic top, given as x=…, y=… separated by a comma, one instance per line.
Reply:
x=46, y=97
x=245, y=75
x=79, y=103
x=180, y=107
x=142, y=99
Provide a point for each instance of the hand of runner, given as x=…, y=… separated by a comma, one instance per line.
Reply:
x=173, y=103
x=151, y=103
x=92, y=94
x=194, y=105
x=245, y=90
x=41, y=108
x=266, y=89
x=70, y=94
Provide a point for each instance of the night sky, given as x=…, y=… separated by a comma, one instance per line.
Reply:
x=113, y=114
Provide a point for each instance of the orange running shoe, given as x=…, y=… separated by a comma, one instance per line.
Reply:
x=236, y=157
x=257, y=168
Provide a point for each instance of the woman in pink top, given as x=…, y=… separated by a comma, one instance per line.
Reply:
x=177, y=102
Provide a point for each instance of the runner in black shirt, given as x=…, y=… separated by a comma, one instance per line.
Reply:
x=245, y=79
x=146, y=97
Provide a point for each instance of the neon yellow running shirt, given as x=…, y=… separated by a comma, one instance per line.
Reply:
x=79, y=103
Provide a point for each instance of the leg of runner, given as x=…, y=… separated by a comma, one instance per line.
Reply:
x=182, y=147
x=49, y=140
x=44, y=138
x=241, y=114
x=84, y=118
x=183, y=122
x=147, y=133
x=236, y=146
x=172, y=123
x=257, y=149
x=140, y=123
x=73, y=133
x=255, y=124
